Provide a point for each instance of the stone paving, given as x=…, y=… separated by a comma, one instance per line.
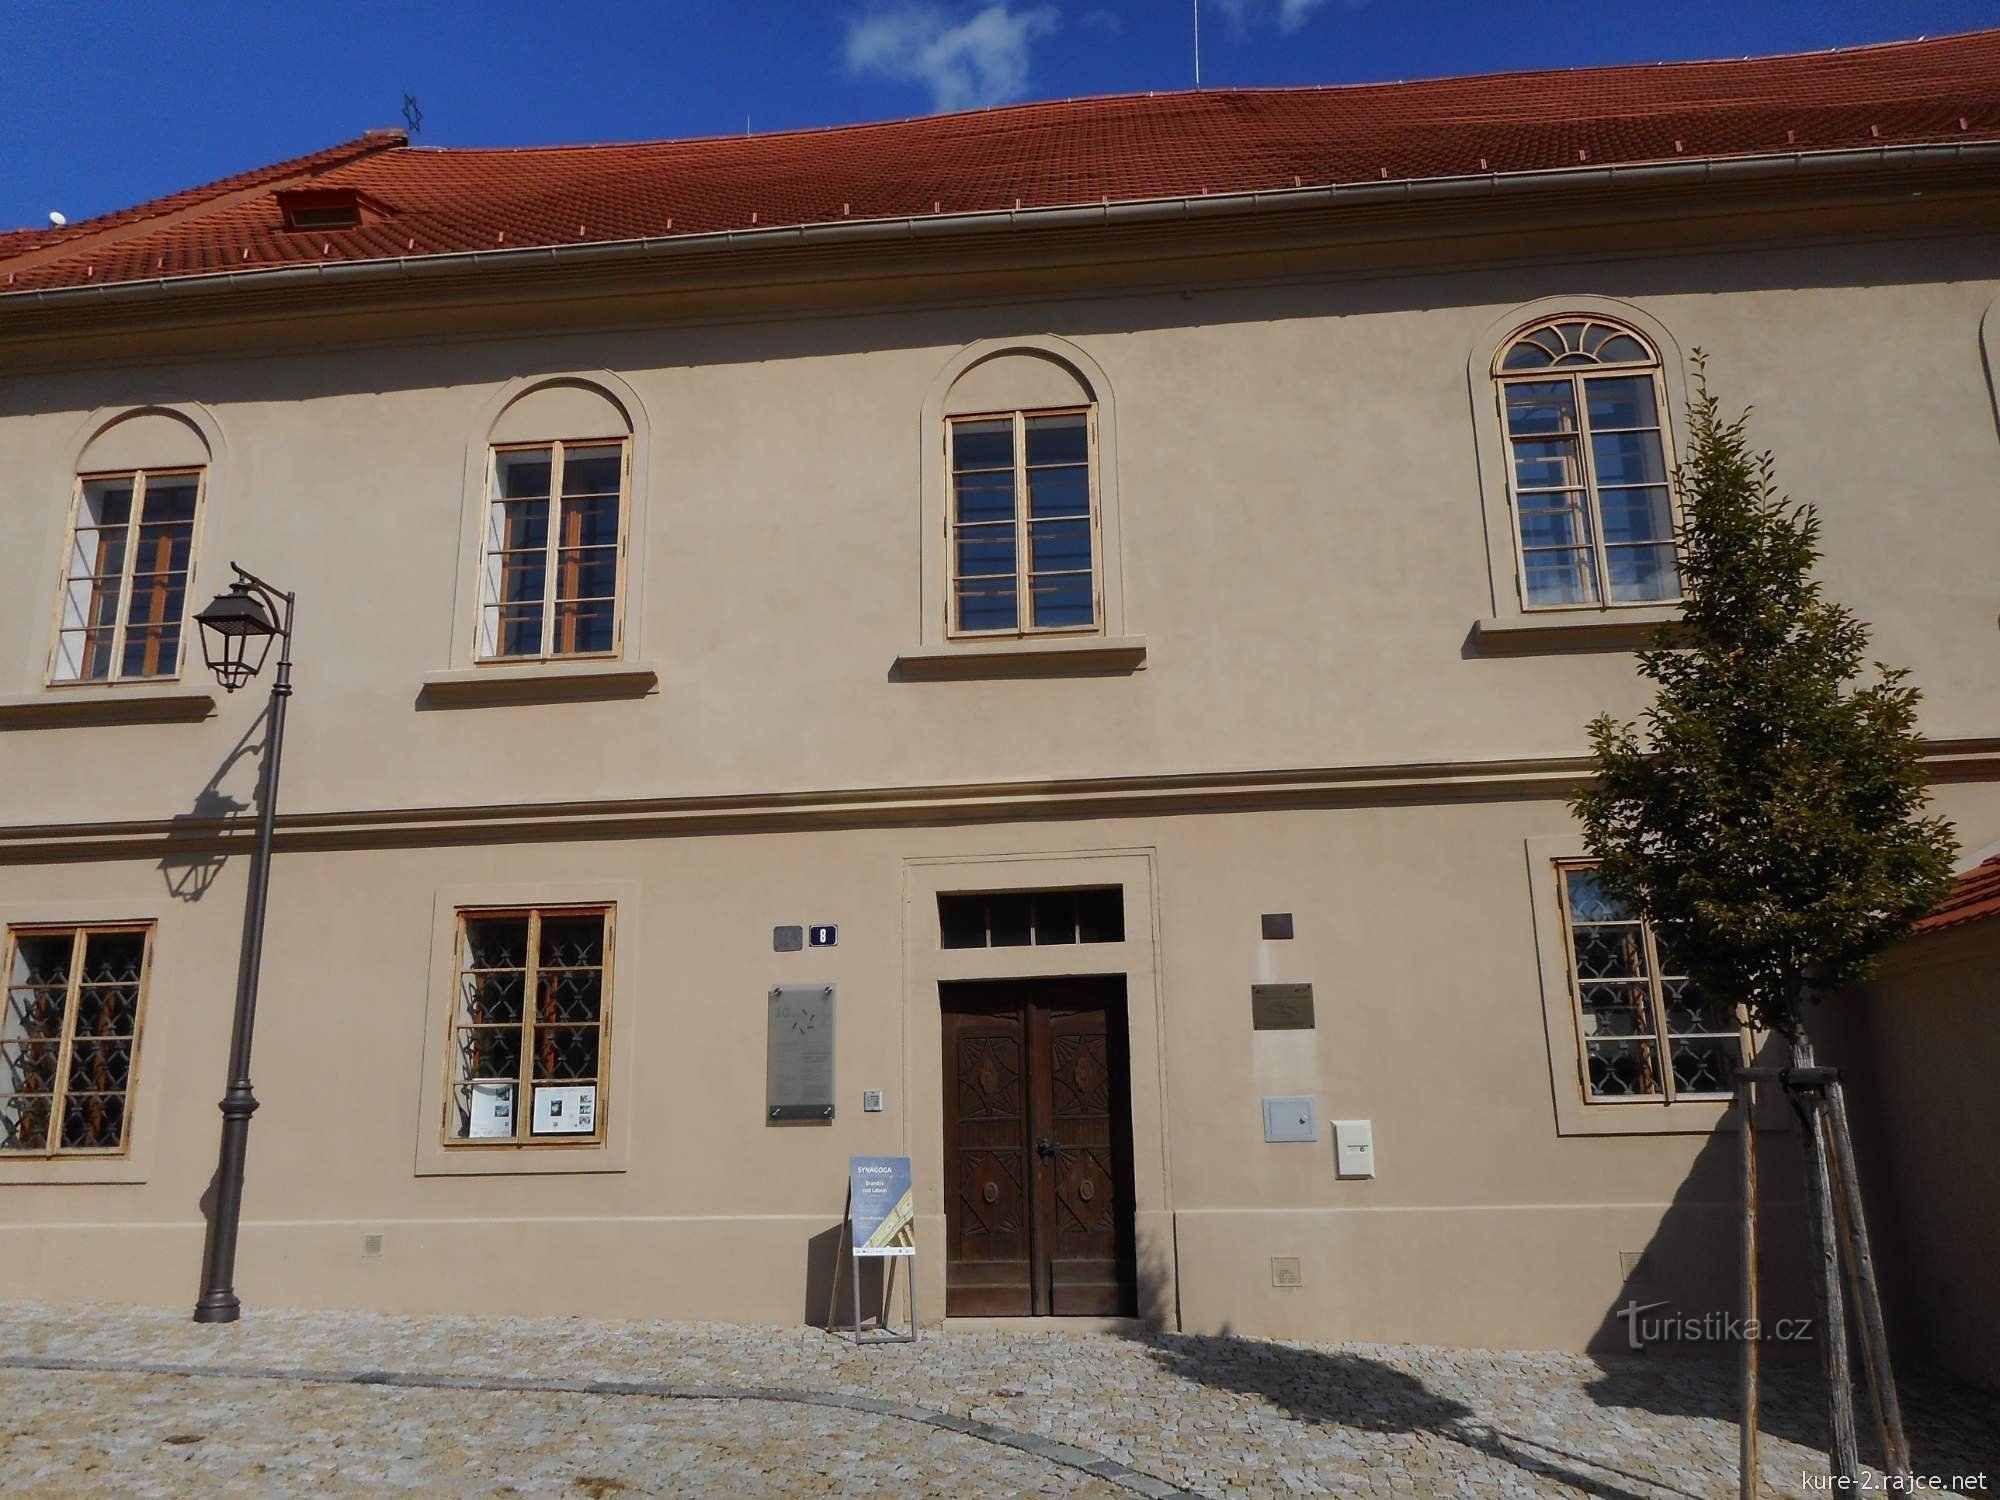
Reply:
x=97, y=1401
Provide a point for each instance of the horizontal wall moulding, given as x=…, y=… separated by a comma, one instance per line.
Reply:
x=61, y=708
x=1120, y=796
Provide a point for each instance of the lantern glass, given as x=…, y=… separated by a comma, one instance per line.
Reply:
x=236, y=636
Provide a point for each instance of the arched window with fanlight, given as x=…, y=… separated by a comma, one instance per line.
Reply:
x=1582, y=406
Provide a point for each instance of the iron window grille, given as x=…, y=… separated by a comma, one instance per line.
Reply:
x=69, y=1041
x=1644, y=1032
x=530, y=1026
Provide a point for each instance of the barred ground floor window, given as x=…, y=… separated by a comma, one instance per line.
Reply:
x=69, y=1041
x=530, y=1026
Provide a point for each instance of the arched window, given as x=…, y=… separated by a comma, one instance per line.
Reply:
x=1581, y=404
x=1021, y=446
x=553, y=543
x=133, y=514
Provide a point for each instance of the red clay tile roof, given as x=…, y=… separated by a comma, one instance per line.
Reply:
x=1977, y=895
x=1042, y=155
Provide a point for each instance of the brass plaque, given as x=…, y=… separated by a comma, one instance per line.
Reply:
x=1281, y=1007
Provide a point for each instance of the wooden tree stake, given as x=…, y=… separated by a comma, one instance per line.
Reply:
x=1746, y=1462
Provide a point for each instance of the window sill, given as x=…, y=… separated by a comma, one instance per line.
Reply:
x=521, y=1159
x=26, y=1171
x=538, y=682
x=121, y=703
x=1032, y=656
x=1574, y=629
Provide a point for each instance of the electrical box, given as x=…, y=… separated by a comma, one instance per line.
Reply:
x=1291, y=1117
x=1354, y=1148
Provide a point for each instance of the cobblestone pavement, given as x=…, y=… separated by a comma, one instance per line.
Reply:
x=97, y=1401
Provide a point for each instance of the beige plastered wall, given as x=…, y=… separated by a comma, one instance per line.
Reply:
x=1484, y=1227
x=1304, y=556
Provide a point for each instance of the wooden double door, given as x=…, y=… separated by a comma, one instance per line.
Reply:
x=1038, y=1148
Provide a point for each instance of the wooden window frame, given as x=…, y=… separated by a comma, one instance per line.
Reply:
x=80, y=933
x=1023, y=537
x=524, y=1082
x=1586, y=479
x=1670, y=1093
x=139, y=476
x=552, y=549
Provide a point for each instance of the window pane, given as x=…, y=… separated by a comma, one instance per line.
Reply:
x=565, y=1053
x=495, y=943
x=492, y=997
x=522, y=474
x=1643, y=573
x=1636, y=515
x=522, y=577
x=1609, y=950
x=1055, y=917
x=1623, y=1069
x=587, y=573
x=982, y=445
x=1546, y=463
x=572, y=940
x=1059, y=492
x=988, y=608
x=511, y=631
x=1063, y=439
x=961, y=921
x=1706, y=1065
x=589, y=626
x=1100, y=915
x=1554, y=519
x=1540, y=408
x=1621, y=401
x=1615, y=1008
x=24, y=1119
x=1588, y=900
x=1628, y=458
x=1060, y=546
x=100, y=1067
x=985, y=552
x=1009, y=912
x=985, y=497
x=591, y=521
x=1622, y=348
x=169, y=499
x=106, y=502
x=1065, y=600
x=517, y=525
x=1565, y=577
x=93, y=1122
x=489, y=1052
x=593, y=471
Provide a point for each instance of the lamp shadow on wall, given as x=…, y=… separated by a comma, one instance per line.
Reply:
x=1687, y=1370
x=192, y=863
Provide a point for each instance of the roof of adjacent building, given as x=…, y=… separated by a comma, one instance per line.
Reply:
x=1977, y=895
x=427, y=201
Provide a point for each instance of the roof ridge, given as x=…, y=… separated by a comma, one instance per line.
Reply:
x=1022, y=106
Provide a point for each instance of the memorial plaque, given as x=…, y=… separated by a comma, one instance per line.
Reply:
x=798, y=1068
x=1281, y=1007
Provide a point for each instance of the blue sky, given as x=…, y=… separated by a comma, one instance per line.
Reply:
x=104, y=103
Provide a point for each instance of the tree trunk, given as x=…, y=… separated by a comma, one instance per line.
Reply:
x=1843, y=1445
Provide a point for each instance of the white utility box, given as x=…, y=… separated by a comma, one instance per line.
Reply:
x=1291, y=1117
x=1354, y=1148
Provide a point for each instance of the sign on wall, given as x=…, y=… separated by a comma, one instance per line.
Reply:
x=882, y=1204
x=798, y=1066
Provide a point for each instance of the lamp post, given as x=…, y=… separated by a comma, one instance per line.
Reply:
x=237, y=629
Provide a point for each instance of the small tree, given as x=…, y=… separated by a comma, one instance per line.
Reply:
x=1770, y=820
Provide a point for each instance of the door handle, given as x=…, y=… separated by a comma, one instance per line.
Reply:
x=1045, y=1146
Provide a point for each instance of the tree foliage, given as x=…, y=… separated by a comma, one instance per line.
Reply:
x=1769, y=819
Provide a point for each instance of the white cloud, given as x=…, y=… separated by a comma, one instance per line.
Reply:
x=967, y=61
x=1289, y=14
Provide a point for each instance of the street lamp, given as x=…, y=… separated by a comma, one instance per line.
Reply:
x=236, y=634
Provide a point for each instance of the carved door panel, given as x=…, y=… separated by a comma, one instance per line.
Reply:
x=1038, y=1148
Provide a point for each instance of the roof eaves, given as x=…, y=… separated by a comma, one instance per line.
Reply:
x=1673, y=170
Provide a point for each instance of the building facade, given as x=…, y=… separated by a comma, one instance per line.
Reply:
x=1147, y=614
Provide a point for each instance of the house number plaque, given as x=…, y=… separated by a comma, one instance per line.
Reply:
x=798, y=1067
